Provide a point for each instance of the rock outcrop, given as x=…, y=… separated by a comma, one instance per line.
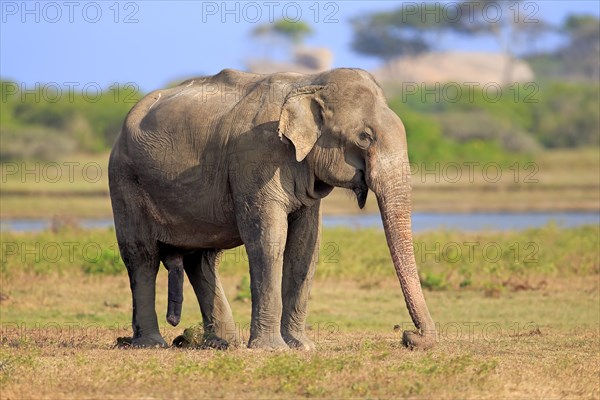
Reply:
x=460, y=67
x=306, y=60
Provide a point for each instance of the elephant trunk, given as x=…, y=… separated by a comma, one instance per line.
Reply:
x=393, y=197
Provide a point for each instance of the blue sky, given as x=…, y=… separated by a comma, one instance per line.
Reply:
x=154, y=42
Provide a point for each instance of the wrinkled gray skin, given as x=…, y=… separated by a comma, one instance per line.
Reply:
x=240, y=158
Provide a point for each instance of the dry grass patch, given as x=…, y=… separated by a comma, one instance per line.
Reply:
x=555, y=365
x=540, y=344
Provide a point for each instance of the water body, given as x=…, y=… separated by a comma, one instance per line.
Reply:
x=421, y=221
x=471, y=222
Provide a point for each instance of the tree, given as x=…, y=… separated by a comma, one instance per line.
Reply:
x=507, y=22
x=283, y=32
x=295, y=32
x=581, y=55
x=404, y=32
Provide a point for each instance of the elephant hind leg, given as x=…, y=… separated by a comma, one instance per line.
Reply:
x=139, y=251
x=142, y=261
x=220, y=330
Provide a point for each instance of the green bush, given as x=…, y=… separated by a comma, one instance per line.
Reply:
x=446, y=259
x=427, y=144
x=480, y=125
x=90, y=123
x=567, y=115
x=551, y=113
x=34, y=142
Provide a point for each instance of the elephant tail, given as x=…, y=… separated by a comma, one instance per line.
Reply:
x=174, y=265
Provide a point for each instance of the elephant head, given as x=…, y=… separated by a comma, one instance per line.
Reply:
x=341, y=127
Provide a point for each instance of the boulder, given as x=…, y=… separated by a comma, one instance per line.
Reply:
x=306, y=60
x=455, y=66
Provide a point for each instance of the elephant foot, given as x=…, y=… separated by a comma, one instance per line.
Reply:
x=216, y=343
x=300, y=342
x=268, y=342
x=141, y=342
x=149, y=341
x=223, y=333
x=415, y=340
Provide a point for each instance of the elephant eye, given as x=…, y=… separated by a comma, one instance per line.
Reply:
x=364, y=140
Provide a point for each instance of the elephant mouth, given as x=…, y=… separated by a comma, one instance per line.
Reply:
x=361, y=196
x=321, y=189
x=361, y=190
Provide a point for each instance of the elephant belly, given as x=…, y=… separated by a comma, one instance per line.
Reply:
x=196, y=222
x=197, y=234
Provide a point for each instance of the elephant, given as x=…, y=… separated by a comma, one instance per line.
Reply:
x=244, y=159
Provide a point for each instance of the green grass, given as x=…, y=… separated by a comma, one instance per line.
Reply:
x=446, y=259
x=517, y=330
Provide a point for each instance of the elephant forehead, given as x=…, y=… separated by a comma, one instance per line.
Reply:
x=343, y=97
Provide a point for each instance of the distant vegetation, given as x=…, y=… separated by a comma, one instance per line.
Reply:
x=417, y=28
x=295, y=32
x=525, y=118
x=446, y=259
x=53, y=121
x=559, y=110
x=578, y=58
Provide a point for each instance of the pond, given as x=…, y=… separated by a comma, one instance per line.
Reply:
x=472, y=221
x=421, y=221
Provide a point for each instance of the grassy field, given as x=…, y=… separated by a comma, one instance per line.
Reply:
x=523, y=323
x=559, y=180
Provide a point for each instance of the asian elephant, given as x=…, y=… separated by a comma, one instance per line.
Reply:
x=241, y=158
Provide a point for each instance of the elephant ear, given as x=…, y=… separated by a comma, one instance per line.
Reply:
x=301, y=119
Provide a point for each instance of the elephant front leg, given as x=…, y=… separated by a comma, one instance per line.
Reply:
x=264, y=232
x=220, y=330
x=299, y=264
